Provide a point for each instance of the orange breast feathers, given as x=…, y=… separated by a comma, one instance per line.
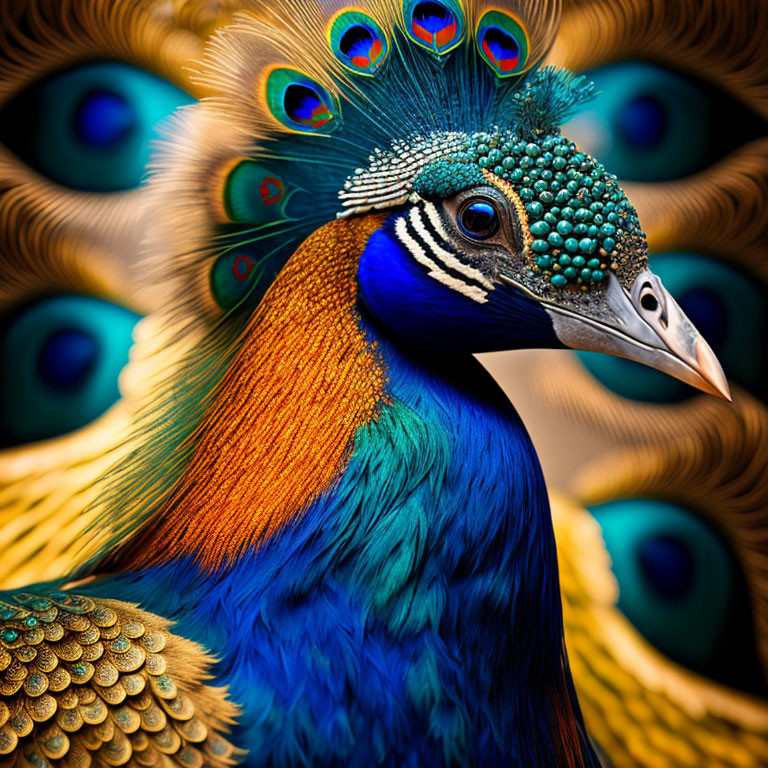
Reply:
x=281, y=427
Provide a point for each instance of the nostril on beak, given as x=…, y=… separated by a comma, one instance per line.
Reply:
x=650, y=303
x=651, y=297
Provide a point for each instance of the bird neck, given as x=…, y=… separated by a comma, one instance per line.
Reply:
x=321, y=414
x=283, y=419
x=334, y=456
x=441, y=520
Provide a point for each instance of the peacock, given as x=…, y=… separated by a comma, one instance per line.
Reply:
x=331, y=534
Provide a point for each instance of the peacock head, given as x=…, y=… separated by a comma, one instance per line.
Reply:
x=508, y=241
x=497, y=232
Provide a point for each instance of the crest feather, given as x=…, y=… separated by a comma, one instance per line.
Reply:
x=548, y=99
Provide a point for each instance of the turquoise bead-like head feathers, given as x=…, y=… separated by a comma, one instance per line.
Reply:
x=439, y=113
x=357, y=107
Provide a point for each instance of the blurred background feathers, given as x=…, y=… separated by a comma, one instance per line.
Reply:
x=659, y=495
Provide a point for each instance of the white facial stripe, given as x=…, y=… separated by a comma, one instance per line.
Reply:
x=418, y=253
x=448, y=259
x=435, y=220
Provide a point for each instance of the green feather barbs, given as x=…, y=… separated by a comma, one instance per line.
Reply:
x=548, y=99
x=253, y=194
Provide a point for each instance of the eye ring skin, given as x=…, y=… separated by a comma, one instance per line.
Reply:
x=509, y=232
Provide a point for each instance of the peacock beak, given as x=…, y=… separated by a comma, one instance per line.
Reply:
x=645, y=325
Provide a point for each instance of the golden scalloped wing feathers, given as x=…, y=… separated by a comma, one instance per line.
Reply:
x=87, y=682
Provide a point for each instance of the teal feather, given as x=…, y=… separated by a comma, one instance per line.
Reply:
x=550, y=97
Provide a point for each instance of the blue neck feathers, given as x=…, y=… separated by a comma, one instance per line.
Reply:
x=413, y=611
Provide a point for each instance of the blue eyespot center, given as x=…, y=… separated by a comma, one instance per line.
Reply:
x=479, y=220
x=60, y=363
x=683, y=588
x=668, y=566
x=356, y=41
x=501, y=47
x=304, y=106
x=90, y=127
x=103, y=119
x=644, y=121
x=434, y=25
x=67, y=358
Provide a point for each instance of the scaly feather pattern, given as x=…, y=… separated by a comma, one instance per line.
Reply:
x=97, y=682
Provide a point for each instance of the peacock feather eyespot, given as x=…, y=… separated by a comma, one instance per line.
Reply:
x=650, y=123
x=60, y=361
x=301, y=104
x=502, y=43
x=234, y=278
x=436, y=26
x=358, y=42
x=253, y=193
x=90, y=127
x=682, y=587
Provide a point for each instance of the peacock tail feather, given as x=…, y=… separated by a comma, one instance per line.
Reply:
x=641, y=708
x=70, y=235
x=44, y=222
x=203, y=17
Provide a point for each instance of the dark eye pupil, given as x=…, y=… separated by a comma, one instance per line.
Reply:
x=479, y=220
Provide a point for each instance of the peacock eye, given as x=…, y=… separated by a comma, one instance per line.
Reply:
x=479, y=219
x=90, y=127
x=60, y=359
x=682, y=588
x=651, y=124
